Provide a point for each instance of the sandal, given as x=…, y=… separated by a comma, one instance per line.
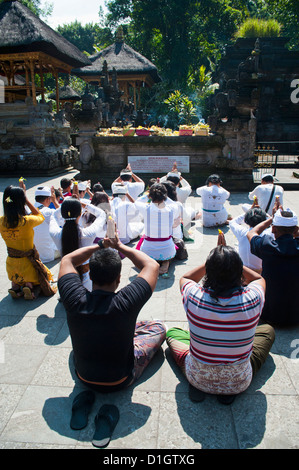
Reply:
x=28, y=294
x=105, y=422
x=81, y=408
x=14, y=293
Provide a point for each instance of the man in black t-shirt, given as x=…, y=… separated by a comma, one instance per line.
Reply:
x=110, y=349
x=280, y=263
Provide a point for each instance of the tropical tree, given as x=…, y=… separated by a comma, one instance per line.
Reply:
x=86, y=37
x=177, y=35
x=35, y=5
x=286, y=12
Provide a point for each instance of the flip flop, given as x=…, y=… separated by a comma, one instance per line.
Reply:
x=105, y=422
x=80, y=410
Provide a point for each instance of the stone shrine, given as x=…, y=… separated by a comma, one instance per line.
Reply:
x=32, y=139
x=253, y=103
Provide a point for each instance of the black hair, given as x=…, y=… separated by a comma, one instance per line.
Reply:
x=224, y=269
x=286, y=230
x=255, y=216
x=41, y=199
x=97, y=188
x=65, y=183
x=214, y=179
x=151, y=182
x=70, y=209
x=158, y=192
x=268, y=179
x=126, y=177
x=171, y=190
x=99, y=198
x=174, y=179
x=14, y=201
x=104, y=266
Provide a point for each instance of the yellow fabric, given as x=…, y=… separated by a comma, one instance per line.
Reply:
x=20, y=270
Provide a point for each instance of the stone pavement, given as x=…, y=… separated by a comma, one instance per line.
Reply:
x=38, y=383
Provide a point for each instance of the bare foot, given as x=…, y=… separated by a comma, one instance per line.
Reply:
x=164, y=267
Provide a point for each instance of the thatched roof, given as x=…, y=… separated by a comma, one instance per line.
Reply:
x=66, y=93
x=123, y=58
x=22, y=31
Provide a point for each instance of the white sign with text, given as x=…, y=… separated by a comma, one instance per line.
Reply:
x=159, y=164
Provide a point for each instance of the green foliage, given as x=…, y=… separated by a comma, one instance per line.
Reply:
x=178, y=36
x=188, y=112
x=174, y=102
x=201, y=84
x=286, y=12
x=181, y=108
x=35, y=6
x=185, y=39
x=86, y=37
x=254, y=28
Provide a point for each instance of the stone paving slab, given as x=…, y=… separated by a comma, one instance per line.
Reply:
x=38, y=383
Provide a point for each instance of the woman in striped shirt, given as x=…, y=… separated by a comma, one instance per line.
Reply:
x=224, y=347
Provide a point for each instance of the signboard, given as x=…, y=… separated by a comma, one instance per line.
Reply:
x=159, y=164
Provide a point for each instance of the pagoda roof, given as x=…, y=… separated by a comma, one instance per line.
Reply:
x=122, y=58
x=22, y=31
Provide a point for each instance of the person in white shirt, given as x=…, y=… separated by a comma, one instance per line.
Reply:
x=159, y=219
x=266, y=194
x=183, y=190
x=42, y=239
x=126, y=215
x=135, y=184
x=213, y=199
x=83, y=189
x=99, y=206
x=251, y=218
x=177, y=233
x=71, y=235
x=183, y=187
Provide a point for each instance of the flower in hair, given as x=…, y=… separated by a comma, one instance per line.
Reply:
x=8, y=200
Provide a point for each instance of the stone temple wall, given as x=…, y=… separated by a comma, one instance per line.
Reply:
x=32, y=141
x=102, y=158
x=256, y=79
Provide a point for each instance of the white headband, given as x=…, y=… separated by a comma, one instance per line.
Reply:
x=266, y=175
x=280, y=221
x=120, y=189
x=82, y=186
x=174, y=174
x=43, y=191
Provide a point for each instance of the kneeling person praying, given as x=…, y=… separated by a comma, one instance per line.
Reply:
x=110, y=349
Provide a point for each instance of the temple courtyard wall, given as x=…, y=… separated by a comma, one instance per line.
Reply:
x=102, y=158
